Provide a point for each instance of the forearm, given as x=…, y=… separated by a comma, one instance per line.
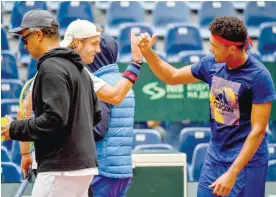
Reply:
x=121, y=89
x=25, y=147
x=249, y=148
x=34, y=129
x=160, y=68
x=116, y=93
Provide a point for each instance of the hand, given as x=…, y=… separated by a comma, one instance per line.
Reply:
x=5, y=129
x=135, y=51
x=145, y=42
x=224, y=184
x=26, y=162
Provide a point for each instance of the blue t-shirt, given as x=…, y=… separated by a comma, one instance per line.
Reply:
x=232, y=93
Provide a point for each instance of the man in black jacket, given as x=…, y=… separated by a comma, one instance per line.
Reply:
x=66, y=110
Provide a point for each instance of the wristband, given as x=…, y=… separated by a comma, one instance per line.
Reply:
x=132, y=72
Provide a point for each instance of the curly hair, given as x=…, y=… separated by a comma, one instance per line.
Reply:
x=51, y=32
x=229, y=28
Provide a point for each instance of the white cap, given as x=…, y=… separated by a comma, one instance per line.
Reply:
x=79, y=29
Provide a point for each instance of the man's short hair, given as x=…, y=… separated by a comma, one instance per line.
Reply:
x=51, y=32
x=229, y=28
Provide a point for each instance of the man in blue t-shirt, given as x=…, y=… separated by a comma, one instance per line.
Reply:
x=241, y=95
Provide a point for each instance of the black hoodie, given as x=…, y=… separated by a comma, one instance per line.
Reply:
x=66, y=110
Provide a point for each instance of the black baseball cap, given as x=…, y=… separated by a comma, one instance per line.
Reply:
x=34, y=18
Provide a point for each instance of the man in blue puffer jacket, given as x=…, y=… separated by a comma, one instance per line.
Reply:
x=115, y=131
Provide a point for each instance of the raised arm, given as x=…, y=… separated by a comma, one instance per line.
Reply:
x=115, y=94
x=160, y=68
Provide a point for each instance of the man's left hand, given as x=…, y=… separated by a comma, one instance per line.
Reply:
x=224, y=184
x=135, y=51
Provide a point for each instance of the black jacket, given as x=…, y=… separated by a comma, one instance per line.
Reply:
x=66, y=110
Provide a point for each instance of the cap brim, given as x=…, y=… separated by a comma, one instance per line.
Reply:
x=65, y=43
x=17, y=30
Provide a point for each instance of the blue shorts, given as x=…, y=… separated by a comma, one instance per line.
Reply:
x=109, y=187
x=249, y=183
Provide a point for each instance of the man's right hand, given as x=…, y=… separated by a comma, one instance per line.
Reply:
x=26, y=162
x=146, y=42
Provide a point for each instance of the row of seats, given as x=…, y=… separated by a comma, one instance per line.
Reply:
x=189, y=139
x=10, y=162
x=10, y=152
x=194, y=168
x=11, y=173
x=119, y=12
x=182, y=43
x=104, y=5
x=9, y=107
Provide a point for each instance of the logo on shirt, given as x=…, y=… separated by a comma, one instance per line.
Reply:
x=224, y=101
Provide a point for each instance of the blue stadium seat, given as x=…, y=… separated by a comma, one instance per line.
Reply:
x=191, y=57
x=7, y=6
x=8, y=66
x=258, y=12
x=102, y=5
x=53, y=5
x=21, y=7
x=198, y=160
x=162, y=55
x=272, y=151
x=5, y=155
x=173, y=131
x=269, y=137
x=7, y=144
x=153, y=147
x=181, y=37
x=4, y=40
x=10, y=88
x=194, y=5
x=190, y=137
x=140, y=125
x=15, y=153
x=32, y=69
x=148, y=5
x=11, y=173
x=9, y=107
x=271, y=173
x=69, y=11
x=124, y=38
x=23, y=54
x=167, y=12
x=146, y=136
x=121, y=12
x=272, y=127
x=239, y=5
x=267, y=41
x=210, y=10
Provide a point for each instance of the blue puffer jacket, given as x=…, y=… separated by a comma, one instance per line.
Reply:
x=114, y=151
